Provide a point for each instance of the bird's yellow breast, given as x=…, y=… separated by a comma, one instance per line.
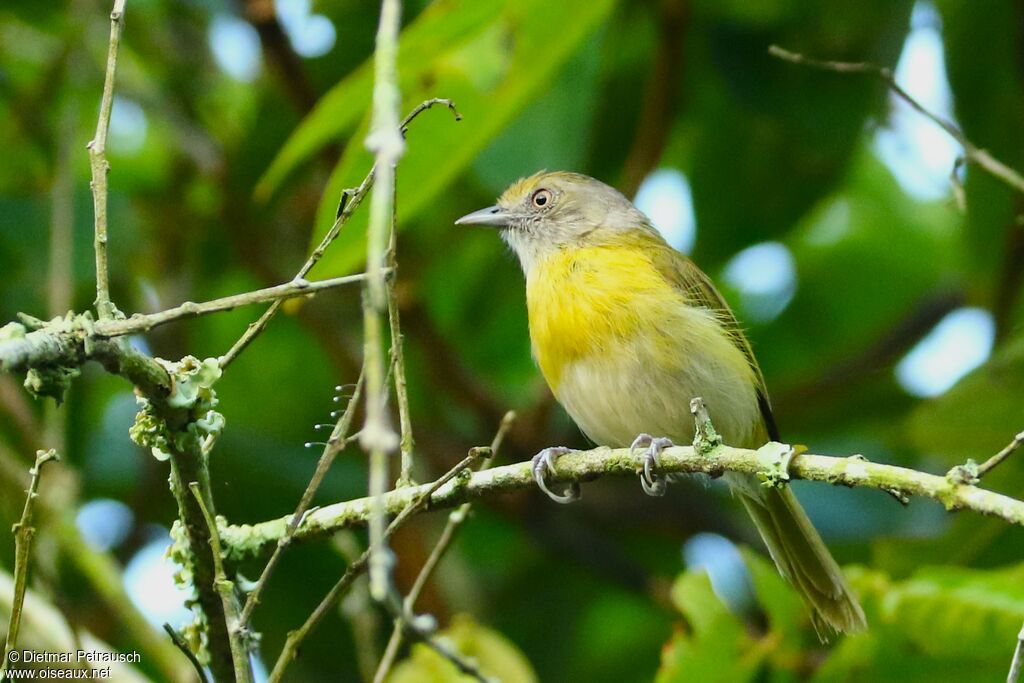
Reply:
x=593, y=301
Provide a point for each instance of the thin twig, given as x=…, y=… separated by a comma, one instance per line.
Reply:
x=406, y=443
x=23, y=533
x=1018, y=659
x=98, y=569
x=350, y=201
x=972, y=153
x=465, y=666
x=353, y=199
x=415, y=505
x=451, y=528
x=335, y=444
x=180, y=643
x=379, y=439
x=990, y=464
x=289, y=290
x=387, y=144
x=239, y=651
x=100, y=167
x=359, y=609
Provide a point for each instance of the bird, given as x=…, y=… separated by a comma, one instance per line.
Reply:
x=626, y=331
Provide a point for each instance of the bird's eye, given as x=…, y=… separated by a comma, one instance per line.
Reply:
x=541, y=198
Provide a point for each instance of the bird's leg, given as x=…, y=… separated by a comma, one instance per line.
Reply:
x=653, y=484
x=545, y=462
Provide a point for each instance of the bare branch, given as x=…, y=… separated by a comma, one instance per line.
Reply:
x=239, y=651
x=972, y=153
x=990, y=464
x=100, y=167
x=180, y=643
x=335, y=444
x=289, y=290
x=188, y=469
x=69, y=344
x=451, y=528
x=350, y=201
x=385, y=140
x=413, y=506
x=406, y=442
x=23, y=533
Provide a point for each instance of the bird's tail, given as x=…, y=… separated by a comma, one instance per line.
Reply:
x=801, y=556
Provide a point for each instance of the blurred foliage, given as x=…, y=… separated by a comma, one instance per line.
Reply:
x=945, y=623
x=490, y=652
x=220, y=185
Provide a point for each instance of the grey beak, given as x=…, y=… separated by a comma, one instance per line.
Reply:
x=493, y=215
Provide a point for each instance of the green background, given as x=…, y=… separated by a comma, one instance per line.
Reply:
x=235, y=180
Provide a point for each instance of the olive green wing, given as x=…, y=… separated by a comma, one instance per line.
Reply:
x=698, y=288
x=792, y=541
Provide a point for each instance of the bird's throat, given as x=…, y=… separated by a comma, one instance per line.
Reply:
x=588, y=302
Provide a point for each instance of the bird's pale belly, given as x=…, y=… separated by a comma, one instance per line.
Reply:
x=618, y=393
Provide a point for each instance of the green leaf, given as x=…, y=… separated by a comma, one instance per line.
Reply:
x=491, y=77
x=954, y=612
x=944, y=623
x=716, y=647
x=492, y=653
x=444, y=26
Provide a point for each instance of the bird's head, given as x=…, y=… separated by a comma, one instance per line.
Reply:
x=557, y=210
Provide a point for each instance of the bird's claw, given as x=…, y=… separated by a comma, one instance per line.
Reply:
x=652, y=484
x=545, y=462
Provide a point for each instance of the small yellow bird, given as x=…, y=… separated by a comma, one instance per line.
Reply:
x=626, y=330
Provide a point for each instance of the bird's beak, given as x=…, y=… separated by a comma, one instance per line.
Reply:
x=494, y=216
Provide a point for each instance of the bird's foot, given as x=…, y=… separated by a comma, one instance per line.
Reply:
x=653, y=484
x=545, y=462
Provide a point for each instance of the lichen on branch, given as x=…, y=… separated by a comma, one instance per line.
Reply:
x=582, y=466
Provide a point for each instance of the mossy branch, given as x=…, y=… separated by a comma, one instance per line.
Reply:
x=226, y=589
x=189, y=467
x=55, y=349
x=768, y=462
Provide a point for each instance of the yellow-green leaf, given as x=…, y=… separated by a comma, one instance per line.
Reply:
x=441, y=27
x=490, y=651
